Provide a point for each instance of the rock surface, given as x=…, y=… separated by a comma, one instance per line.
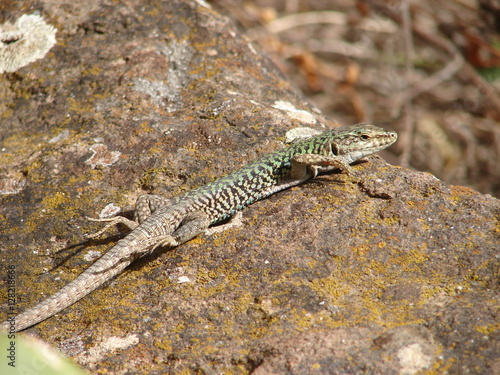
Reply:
x=390, y=271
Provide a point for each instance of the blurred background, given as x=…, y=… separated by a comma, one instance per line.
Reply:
x=427, y=69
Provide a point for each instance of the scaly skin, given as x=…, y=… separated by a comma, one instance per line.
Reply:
x=171, y=222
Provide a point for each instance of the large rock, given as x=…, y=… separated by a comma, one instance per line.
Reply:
x=388, y=271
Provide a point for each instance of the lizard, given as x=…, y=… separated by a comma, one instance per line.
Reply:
x=170, y=222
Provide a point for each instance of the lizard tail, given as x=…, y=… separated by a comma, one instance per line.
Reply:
x=104, y=269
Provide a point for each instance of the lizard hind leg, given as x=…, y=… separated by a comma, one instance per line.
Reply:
x=146, y=205
x=192, y=225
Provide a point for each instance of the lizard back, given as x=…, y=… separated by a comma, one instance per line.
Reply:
x=225, y=196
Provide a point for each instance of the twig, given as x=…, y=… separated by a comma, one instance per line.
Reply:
x=429, y=83
x=355, y=50
x=409, y=56
x=466, y=68
x=329, y=17
x=450, y=49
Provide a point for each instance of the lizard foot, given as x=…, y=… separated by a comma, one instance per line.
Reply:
x=112, y=221
x=167, y=241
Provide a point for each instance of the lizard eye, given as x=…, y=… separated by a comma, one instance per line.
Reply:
x=365, y=137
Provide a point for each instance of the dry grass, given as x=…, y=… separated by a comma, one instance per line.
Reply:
x=428, y=69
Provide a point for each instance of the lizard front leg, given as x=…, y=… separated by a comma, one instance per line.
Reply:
x=320, y=163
